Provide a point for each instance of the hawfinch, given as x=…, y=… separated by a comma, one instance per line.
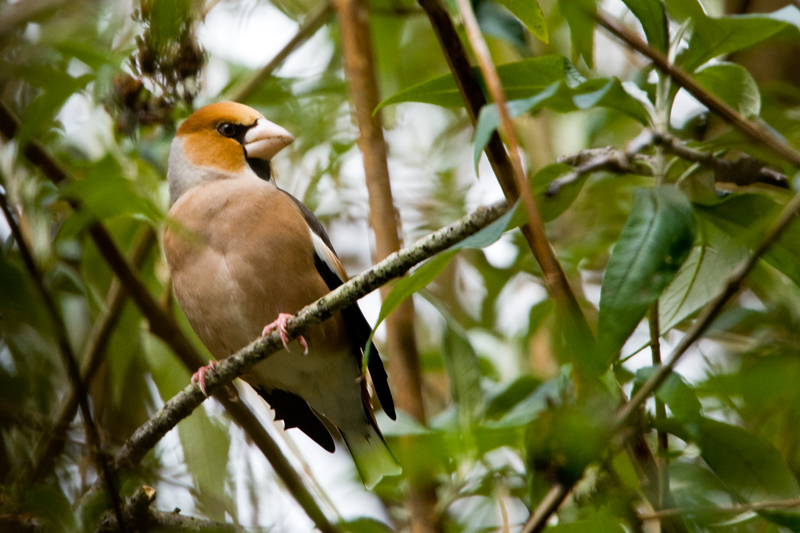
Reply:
x=244, y=253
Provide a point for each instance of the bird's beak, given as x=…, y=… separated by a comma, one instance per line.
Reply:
x=266, y=139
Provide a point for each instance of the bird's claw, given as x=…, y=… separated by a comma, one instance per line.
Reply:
x=280, y=325
x=199, y=377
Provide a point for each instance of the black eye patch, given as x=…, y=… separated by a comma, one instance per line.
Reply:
x=234, y=131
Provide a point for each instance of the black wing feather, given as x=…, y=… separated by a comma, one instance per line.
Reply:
x=352, y=315
x=296, y=413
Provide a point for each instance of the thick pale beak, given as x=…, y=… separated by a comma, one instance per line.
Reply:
x=266, y=139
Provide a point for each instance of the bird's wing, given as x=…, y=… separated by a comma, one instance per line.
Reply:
x=296, y=413
x=331, y=270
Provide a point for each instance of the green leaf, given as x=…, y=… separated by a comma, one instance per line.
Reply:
x=428, y=271
x=529, y=12
x=551, y=206
x=502, y=401
x=494, y=20
x=748, y=464
x=520, y=80
x=365, y=525
x=40, y=114
x=489, y=118
x=713, y=37
x=701, y=277
x=95, y=55
x=746, y=218
x=461, y=364
x=653, y=17
x=206, y=444
x=654, y=242
x=734, y=85
x=579, y=15
x=563, y=97
x=589, y=526
x=678, y=395
x=108, y=194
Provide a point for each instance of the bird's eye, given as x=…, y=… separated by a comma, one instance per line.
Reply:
x=227, y=129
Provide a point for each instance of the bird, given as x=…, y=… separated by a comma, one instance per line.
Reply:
x=244, y=255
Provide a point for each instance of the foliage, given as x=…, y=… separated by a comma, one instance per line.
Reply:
x=512, y=410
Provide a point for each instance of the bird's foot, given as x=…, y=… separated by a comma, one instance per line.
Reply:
x=199, y=377
x=280, y=325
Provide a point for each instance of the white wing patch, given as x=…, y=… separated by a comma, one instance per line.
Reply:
x=327, y=255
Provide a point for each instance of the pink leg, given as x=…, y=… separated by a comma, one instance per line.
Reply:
x=199, y=377
x=280, y=325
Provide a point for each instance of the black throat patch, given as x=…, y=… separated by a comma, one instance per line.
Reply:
x=261, y=167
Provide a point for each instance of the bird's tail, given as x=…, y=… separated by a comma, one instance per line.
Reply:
x=371, y=454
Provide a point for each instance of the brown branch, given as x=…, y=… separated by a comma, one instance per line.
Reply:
x=143, y=518
x=65, y=348
x=755, y=132
x=311, y=24
x=467, y=82
x=549, y=505
x=164, y=326
x=94, y=353
x=745, y=171
x=396, y=265
x=401, y=341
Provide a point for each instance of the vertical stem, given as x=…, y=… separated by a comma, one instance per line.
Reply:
x=400, y=336
x=663, y=104
x=661, y=413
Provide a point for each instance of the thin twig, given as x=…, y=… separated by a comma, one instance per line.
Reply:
x=756, y=132
x=50, y=446
x=741, y=508
x=311, y=24
x=396, y=265
x=549, y=505
x=745, y=171
x=661, y=411
x=92, y=435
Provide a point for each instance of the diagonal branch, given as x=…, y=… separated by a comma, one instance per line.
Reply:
x=397, y=264
x=311, y=24
x=756, y=132
x=746, y=170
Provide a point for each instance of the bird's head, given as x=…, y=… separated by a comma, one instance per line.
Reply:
x=223, y=141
